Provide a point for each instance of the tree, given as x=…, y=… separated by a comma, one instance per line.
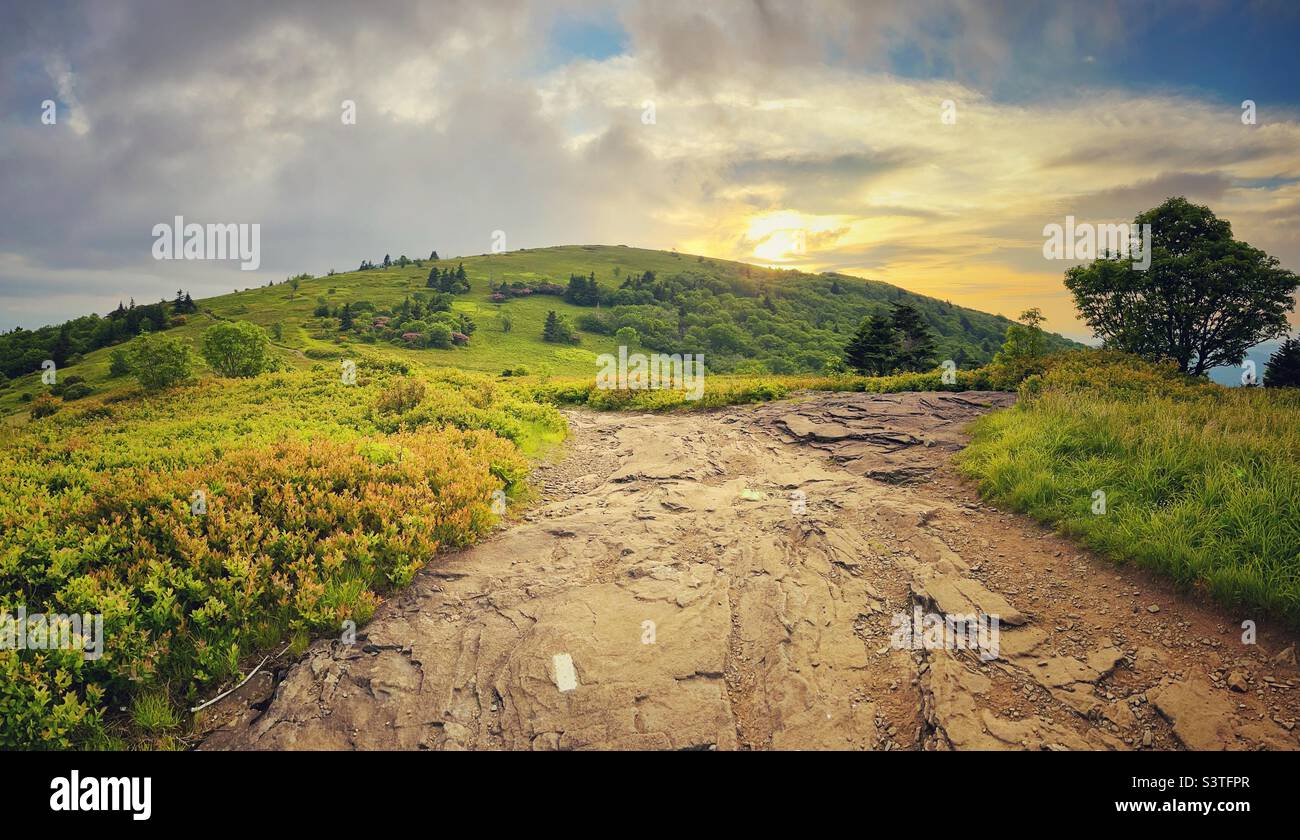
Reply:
x=551, y=330
x=1025, y=340
x=387, y=261
x=294, y=282
x=62, y=346
x=506, y=321
x=119, y=363
x=873, y=349
x=557, y=329
x=1203, y=302
x=433, y=255
x=1283, y=370
x=159, y=361
x=236, y=350
x=916, y=350
x=439, y=335
x=345, y=317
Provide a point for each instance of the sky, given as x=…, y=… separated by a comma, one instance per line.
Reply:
x=811, y=135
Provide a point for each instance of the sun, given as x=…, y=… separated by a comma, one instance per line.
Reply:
x=780, y=237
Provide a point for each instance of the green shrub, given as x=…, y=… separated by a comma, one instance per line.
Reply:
x=118, y=363
x=238, y=349
x=76, y=391
x=400, y=396
x=160, y=361
x=312, y=510
x=44, y=406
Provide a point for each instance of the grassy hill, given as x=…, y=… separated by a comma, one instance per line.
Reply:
x=743, y=318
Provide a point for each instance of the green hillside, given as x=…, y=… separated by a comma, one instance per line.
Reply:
x=743, y=318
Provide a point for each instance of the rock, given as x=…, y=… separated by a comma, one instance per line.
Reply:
x=1203, y=720
x=1237, y=682
x=1120, y=714
x=1154, y=608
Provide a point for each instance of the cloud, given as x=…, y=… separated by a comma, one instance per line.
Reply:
x=770, y=117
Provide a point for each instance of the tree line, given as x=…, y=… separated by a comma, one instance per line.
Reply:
x=23, y=351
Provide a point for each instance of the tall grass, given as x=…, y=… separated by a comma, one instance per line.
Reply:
x=1201, y=482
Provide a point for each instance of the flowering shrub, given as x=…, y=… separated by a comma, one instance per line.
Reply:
x=311, y=509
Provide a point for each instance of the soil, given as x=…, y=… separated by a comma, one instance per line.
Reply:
x=734, y=580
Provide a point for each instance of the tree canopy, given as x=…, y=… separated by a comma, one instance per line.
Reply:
x=1203, y=302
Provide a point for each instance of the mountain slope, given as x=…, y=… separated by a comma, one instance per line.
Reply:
x=743, y=318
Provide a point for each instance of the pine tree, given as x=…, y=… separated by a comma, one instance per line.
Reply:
x=873, y=349
x=387, y=261
x=551, y=331
x=345, y=317
x=62, y=346
x=1283, y=370
x=433, y=255
x=916, y=345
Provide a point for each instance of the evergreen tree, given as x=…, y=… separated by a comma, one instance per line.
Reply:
x=62, y=347
x=1283, y=370
x=916, y=349
x=345, y=317
x=387, y=261
x=433, y=255
x=873, y=349
x=557, y=329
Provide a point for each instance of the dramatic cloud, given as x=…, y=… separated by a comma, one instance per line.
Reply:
x=798, y=134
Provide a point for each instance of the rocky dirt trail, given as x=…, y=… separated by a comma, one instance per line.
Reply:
x=728, y=580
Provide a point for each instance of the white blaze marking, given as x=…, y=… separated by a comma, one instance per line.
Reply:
x=566, y=679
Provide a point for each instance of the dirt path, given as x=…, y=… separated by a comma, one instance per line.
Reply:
x=727, y=581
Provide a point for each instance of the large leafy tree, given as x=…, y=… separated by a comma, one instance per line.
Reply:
x=1205, y=299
